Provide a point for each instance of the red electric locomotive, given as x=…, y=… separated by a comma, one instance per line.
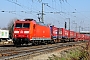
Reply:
x=29, y=31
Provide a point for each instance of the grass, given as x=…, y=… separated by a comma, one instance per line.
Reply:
x=72, y=54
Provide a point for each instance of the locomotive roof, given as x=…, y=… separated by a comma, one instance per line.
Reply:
x=34, y=21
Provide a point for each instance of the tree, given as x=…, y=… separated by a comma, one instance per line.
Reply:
x=10, y=27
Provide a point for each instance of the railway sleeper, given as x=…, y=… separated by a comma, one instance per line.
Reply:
x=5, y=54
x=10, y=53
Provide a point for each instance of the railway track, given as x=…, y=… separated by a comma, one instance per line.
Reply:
x=7, y=53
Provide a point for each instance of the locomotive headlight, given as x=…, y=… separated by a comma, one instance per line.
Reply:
x=16, y=31
x=26, y=32
x=15, y=35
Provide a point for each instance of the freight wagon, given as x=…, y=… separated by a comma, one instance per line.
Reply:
x=63, y=34
x=4, y=35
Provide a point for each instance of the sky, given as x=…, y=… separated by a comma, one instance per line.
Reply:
x=77, y=11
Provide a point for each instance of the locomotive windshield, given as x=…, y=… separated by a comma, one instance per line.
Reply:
x=26, y=25
x=18, y=25
x=22, y=25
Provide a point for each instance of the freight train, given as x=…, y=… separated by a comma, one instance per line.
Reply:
x=30, y=31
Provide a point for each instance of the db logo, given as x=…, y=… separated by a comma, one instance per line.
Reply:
x=21, y=31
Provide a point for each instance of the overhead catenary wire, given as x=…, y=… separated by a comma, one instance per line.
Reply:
x=64, y=17
x=31, y=11
x=22, y=6
x=50, y=7
x=58, y=10
x=11, y=12
x=84, y=17
x=78, y=11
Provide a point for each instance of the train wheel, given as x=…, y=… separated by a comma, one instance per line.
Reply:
x=38, y=42
x=52, y=41
x=16, y=43
x=63, y=41
x=35, y=43
x=45, y=42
